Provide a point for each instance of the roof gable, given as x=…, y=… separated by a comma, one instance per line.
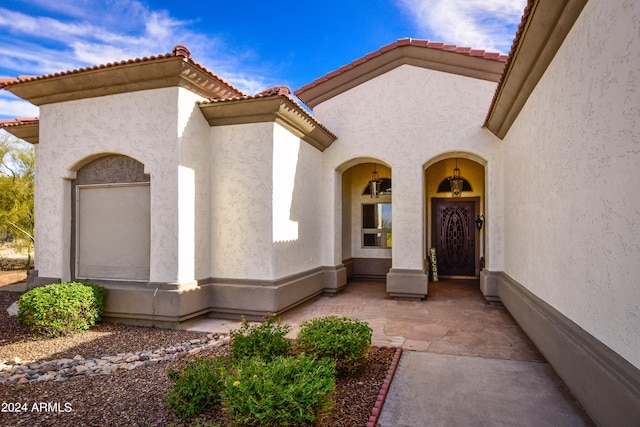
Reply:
x=422, y=53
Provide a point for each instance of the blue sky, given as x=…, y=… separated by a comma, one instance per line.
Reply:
x=254, y=44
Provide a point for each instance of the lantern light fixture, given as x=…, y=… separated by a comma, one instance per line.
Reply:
x=456, y=182
x=375, y=183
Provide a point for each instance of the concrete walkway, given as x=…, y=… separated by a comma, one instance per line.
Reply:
x=465, y=362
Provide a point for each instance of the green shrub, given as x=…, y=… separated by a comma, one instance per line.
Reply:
x=61, y=308
x=197, y=385
x=285, y=391
x=346, y=340
x=266, y=340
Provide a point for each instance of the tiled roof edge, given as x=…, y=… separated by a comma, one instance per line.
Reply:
x=277, y=91
x=19, y=121
x=178, y=50
x=5, y=81
x=514, y=47
x=495, y=56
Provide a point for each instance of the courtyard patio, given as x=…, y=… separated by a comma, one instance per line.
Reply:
x=464, y=361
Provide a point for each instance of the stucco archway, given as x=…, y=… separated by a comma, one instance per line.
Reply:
x=450, y=221
x=366, y=237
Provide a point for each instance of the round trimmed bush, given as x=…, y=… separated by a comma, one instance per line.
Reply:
x=61, y=308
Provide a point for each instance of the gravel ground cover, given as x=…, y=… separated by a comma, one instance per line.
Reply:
x=136, y=397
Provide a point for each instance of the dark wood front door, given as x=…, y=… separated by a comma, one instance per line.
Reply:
x=455, y=235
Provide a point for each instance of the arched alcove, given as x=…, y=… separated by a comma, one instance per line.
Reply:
x=110, y=215
x=366, y=220
x=451, y=219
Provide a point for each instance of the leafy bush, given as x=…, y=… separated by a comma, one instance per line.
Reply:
x=346, y=340
x=197, y=385
x=61, y=308
x=286, y=391
x=266, y=340
x=261, y=384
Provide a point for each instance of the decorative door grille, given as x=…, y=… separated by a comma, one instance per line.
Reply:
x=455, y=237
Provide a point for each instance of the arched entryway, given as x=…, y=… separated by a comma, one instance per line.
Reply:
x=367, y=224
x=455, y=216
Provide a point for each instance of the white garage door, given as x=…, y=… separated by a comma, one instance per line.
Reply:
x=112, y=231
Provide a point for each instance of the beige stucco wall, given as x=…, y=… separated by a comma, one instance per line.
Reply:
x=264, y=204
x=347, y=213
x=241, y=230
x=195, y=202
x=141, y=125
x=405, y=119
x=572, y=223
x=297, y=227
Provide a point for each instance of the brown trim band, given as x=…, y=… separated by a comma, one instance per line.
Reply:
x=606, y=384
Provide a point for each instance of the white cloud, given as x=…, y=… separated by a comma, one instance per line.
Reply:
x=89, y=32
x=480, y=24
x=13, y=107
x=25, y=58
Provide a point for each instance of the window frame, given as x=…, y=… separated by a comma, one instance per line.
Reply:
x=385, y=234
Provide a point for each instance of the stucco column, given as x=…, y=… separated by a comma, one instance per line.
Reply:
x=186, y=224
x=493, y=230
x=165, y=232
x=335, y=274
x=332, y=218
x=52, y=230
x=52, y=201
x=407, y=278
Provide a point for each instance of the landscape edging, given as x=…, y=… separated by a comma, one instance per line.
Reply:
x=382, y=395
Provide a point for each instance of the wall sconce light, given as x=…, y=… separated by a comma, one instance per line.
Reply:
x=480, y=222
x=456, y=182
x=375, y=183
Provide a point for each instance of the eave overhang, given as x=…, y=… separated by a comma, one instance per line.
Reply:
x=544, y=27
x=25, y=129
x=421, y=53
x=279, y=109
x=123, y=77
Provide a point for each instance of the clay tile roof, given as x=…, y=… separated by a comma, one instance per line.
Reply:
x=23, y=79
x=407, y=42
x=25, y=128
x=6, y=80
x=178, y=50
x=276, y=90
x=19, y=121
